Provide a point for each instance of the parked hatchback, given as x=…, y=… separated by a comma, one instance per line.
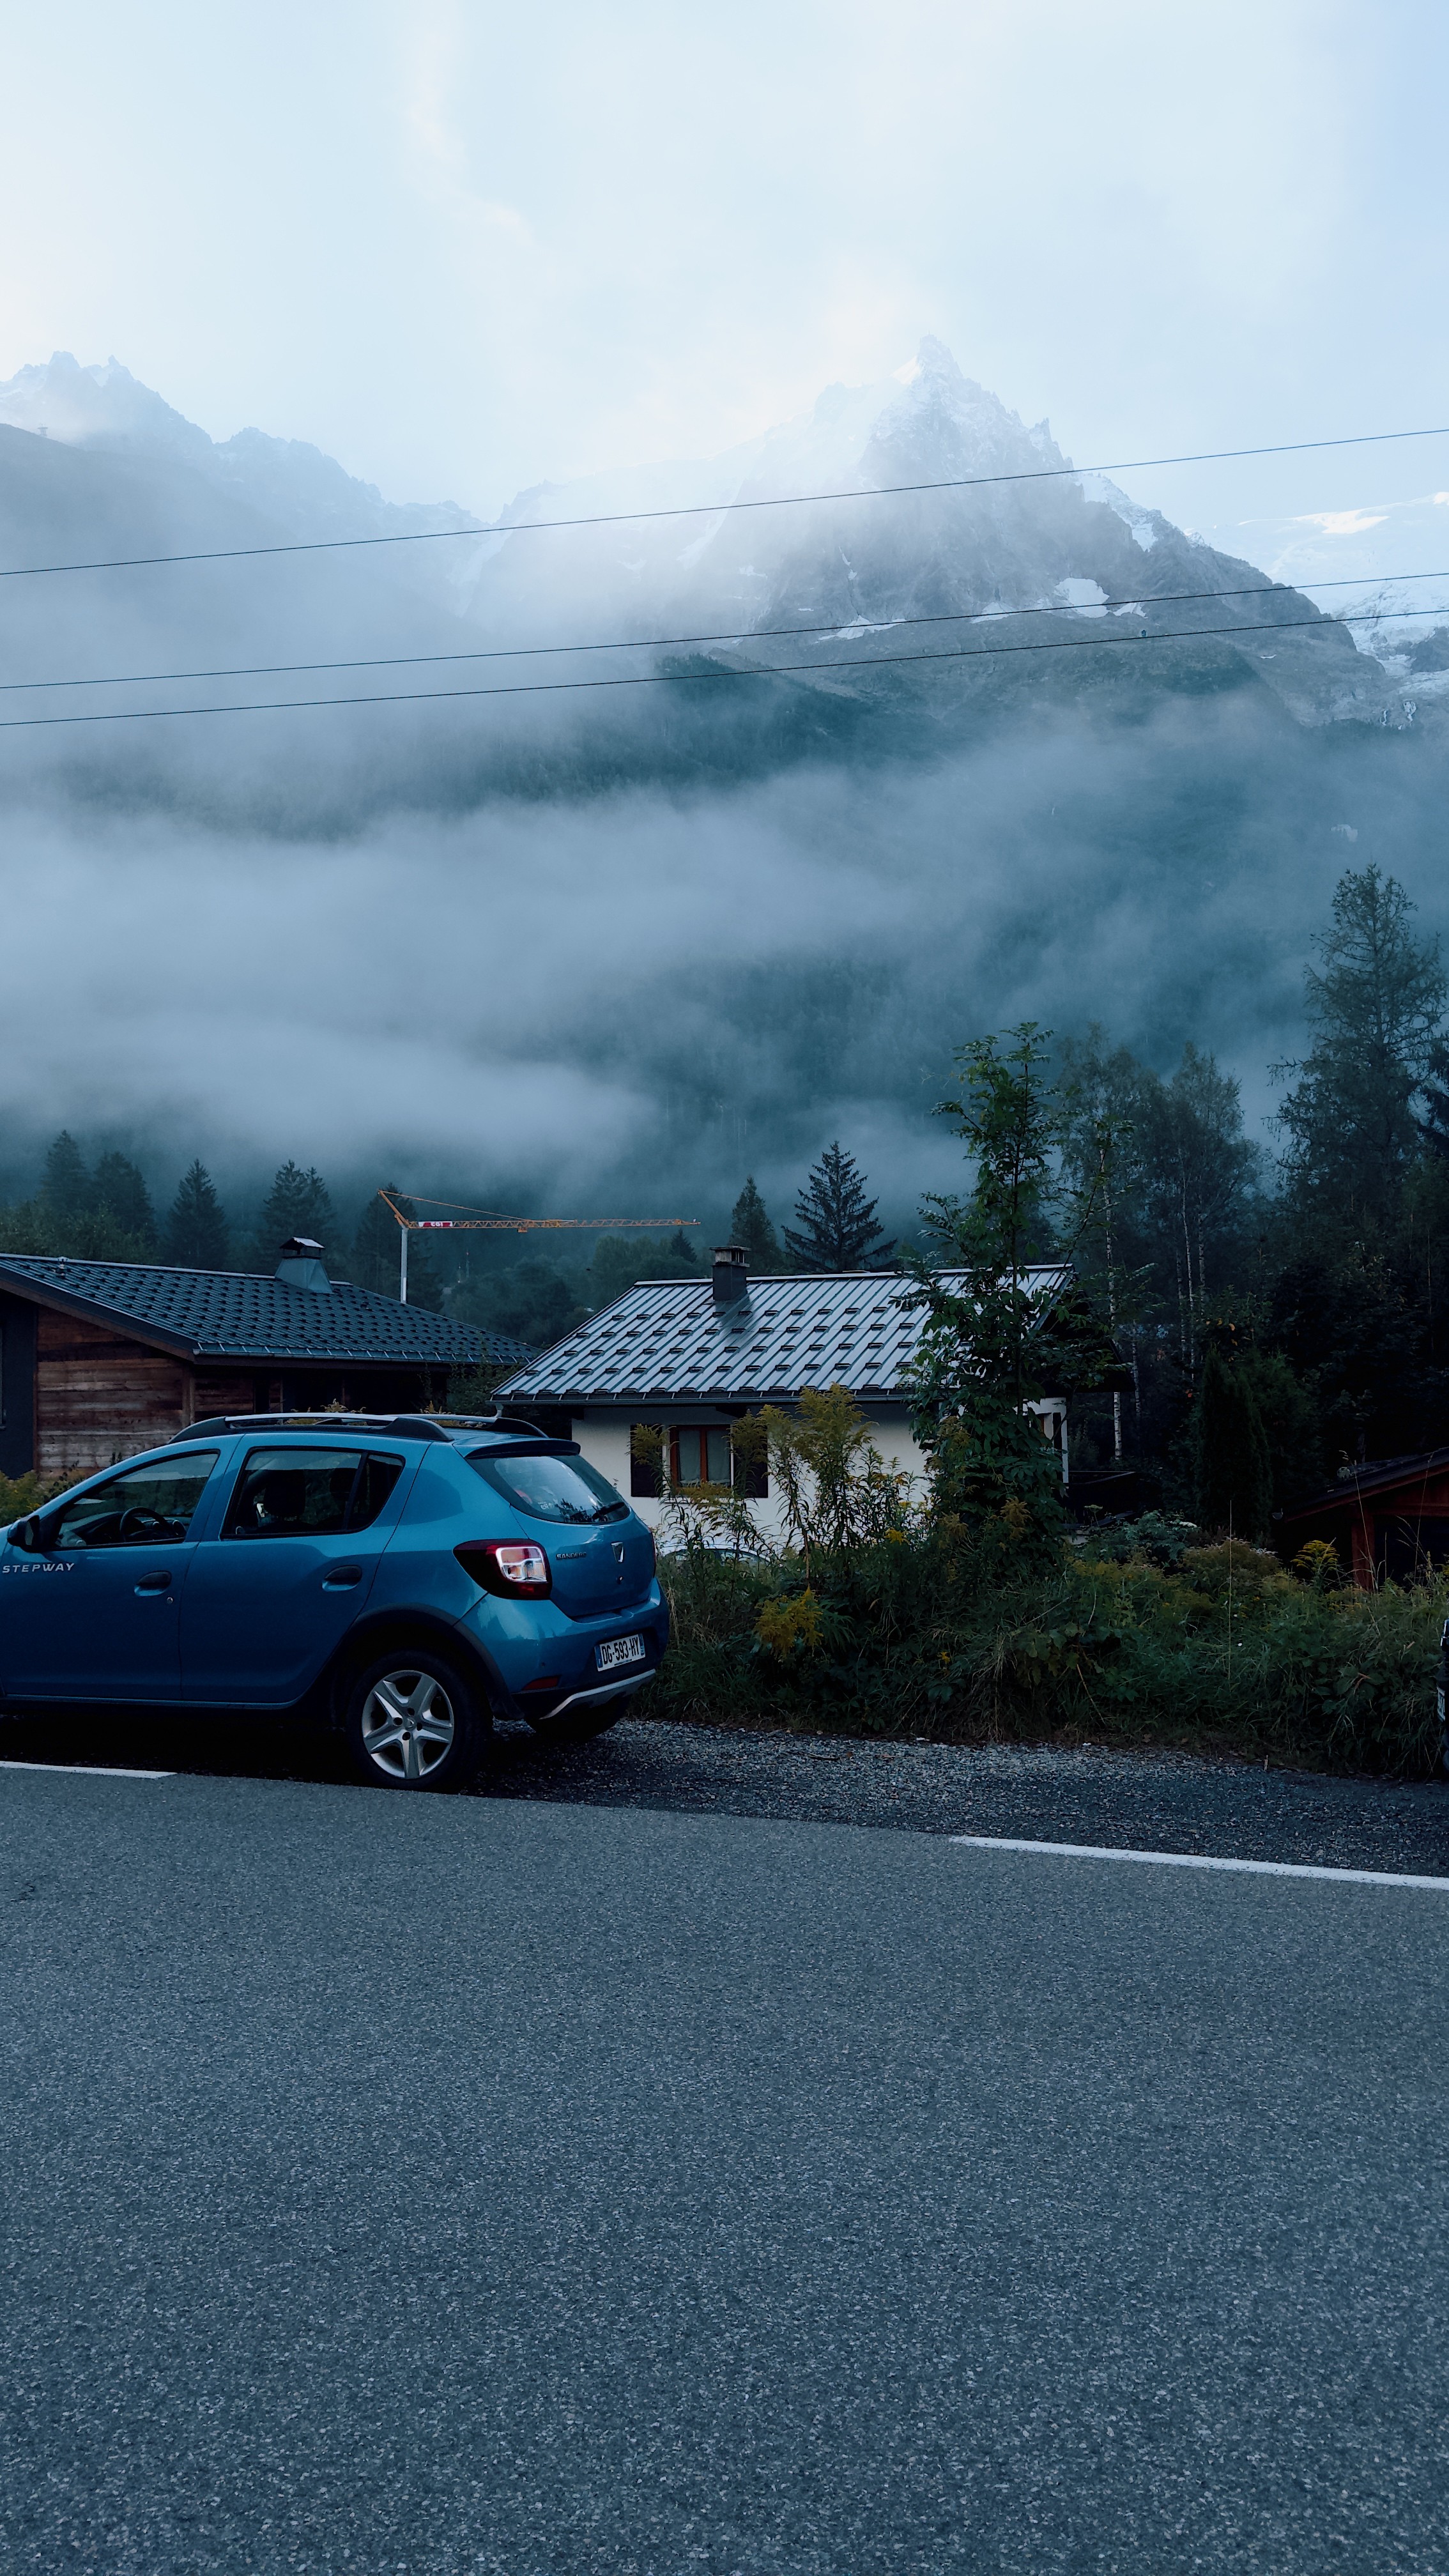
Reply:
x=413, y=1576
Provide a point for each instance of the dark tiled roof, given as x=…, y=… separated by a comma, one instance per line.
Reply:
x=236, y=1315
x=665, y=1342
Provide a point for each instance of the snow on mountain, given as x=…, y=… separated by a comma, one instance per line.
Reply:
x=1021, y=533
x=924, y=560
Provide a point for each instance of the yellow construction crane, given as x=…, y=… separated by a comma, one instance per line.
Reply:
x=488, y=1221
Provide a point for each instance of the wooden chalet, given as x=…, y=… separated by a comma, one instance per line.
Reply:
x=1386, y=1519
x=101, y=1358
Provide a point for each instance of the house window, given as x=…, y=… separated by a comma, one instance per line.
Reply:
x=700, y=1454
x=703, y=1454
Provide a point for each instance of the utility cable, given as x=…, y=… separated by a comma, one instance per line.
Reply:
x=679, y=679
x=715, y=509
x=732, y=635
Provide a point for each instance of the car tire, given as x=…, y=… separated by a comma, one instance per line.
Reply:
x=414, y=1722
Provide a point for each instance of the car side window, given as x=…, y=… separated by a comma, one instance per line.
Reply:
x=144, y=1507
x=309, y=1493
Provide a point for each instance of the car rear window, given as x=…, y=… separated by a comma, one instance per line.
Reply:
x=307, y=1493
x=550, y=1489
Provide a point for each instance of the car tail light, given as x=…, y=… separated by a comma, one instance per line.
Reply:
x=517, y=1569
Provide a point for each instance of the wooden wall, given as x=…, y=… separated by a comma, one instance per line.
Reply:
x=99, y=1397
x=225, y=1391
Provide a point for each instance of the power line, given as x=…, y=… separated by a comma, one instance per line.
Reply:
x=716, y=509
x=683, y=679
x=730, y=635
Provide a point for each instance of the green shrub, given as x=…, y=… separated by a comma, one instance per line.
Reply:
x=939, y=1632
x=1159, y=1540
x=28, y=1493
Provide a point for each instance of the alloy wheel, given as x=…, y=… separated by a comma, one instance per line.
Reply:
x=408, y=1725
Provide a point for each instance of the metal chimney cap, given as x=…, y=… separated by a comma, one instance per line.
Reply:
x=731, y=1274
x=300, y=1265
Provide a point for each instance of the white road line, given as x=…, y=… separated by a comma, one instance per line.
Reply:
x=92, y=1770
x=1197, y=1860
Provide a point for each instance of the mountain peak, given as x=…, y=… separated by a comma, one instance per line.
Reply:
x=100, y=406
x=933, y=358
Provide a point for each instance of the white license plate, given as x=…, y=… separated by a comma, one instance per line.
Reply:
x=619, y=1650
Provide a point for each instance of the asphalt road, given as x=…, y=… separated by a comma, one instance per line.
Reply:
x=491, y=2187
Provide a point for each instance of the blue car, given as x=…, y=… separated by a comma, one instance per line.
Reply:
x=410, y=1575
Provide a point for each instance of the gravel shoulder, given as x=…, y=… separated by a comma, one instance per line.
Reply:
x=1041, y=1793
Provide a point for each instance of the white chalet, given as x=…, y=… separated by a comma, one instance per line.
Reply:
x=691, y=1356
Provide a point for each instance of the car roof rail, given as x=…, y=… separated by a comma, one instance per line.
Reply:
x=511, y=1425
x=404, y=1426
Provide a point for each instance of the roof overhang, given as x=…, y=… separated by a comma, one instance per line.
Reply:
x=156, y=1337
x=88, y=1310
x=1396, y=1478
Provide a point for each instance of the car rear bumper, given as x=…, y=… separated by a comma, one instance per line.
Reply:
x=541, y=1660
x=542, y=1713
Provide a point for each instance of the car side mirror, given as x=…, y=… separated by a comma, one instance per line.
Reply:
x=26, y=1534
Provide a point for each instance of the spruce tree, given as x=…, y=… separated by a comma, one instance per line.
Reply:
x=837, y=1228
x=121, y=1194
x=67, y=1190
x=751, y=1228
x=196, y=1229
x=298, y=1202
x=1374, y=1011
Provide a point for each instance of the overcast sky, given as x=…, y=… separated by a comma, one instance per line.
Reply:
x=467, y=247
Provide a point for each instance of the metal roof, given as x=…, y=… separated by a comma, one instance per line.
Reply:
x=1373, y=1478
x=666, y=1342
x=238, y=1315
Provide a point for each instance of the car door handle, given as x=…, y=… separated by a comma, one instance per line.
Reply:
x=342, y=1578
x=154, y=1583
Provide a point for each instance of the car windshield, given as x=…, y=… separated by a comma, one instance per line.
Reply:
x=550, y=1489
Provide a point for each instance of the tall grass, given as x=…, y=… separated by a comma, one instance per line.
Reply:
x=937, y=1632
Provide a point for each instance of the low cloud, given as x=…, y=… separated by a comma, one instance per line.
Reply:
x=638, y=995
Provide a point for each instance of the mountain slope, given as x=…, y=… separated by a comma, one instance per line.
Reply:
x=294, y=486
x=1014, y=554
x=900, y=624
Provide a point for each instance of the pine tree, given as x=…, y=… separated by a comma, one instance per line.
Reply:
x=1234, y=1469
x=750, y=1227
x=121, y=1194
x=67, y=1190
x=837, y=1228
x=1374, y=1011
x=298, y=1202
x=196, y=1229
